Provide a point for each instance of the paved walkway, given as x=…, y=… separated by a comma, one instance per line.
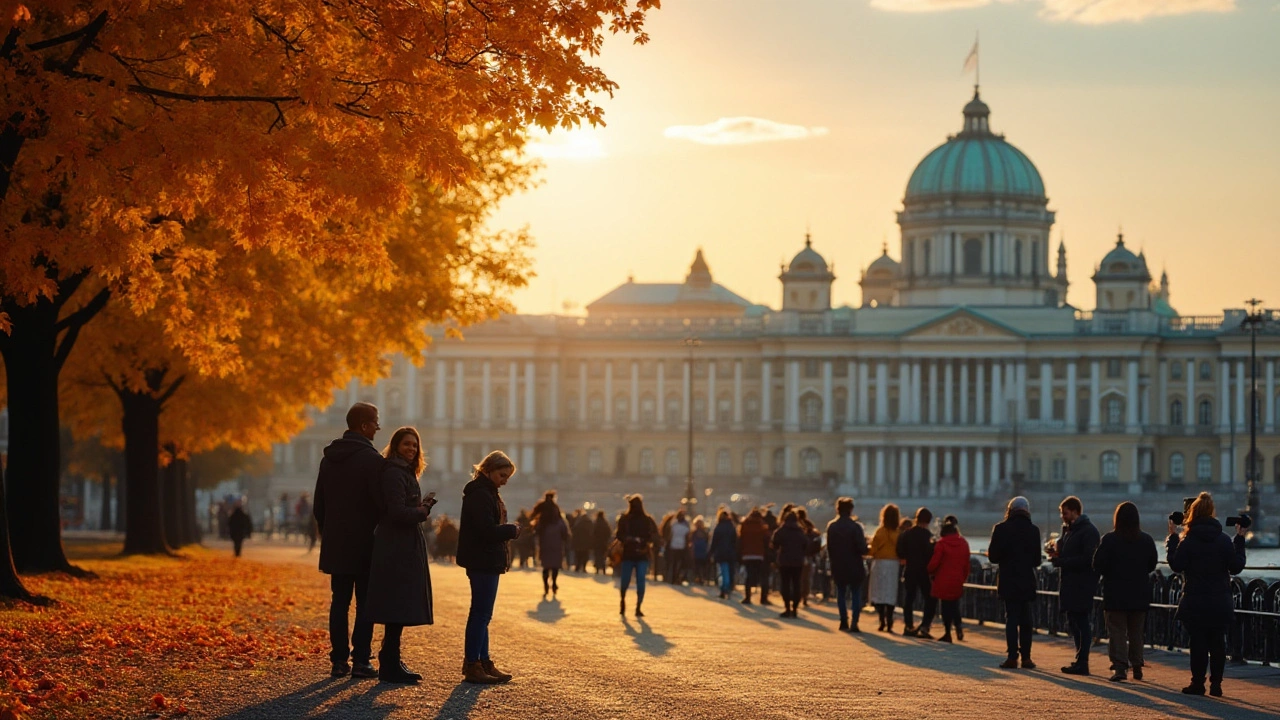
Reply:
x=699, y=657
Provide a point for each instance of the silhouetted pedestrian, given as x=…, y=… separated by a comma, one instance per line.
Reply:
x=553, y=536
x=753, y=538
x=724, y=550
x=1125, y=559
x=638, y=533
x=240, y=526
x=948, y=570
x=1073, y=556
x=791, y=544
x=915, y=547
x=1015, y=550
x=581, y=532
x=846, y=548
x=601, y=536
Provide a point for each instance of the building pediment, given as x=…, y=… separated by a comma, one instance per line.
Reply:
x=963, y=325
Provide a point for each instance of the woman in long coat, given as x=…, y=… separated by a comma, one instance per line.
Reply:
x=399, y=592
x=553, y=538
x=885, y=566
x=948, y=570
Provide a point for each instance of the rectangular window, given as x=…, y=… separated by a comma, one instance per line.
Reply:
x=1059, y=469
x=1113, y=368
x=1033, y=469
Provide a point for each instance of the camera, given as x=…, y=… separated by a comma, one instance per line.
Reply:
x=1242, y=521
x=1177, y=517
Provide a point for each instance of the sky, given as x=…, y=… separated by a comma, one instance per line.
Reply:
x=745, y=123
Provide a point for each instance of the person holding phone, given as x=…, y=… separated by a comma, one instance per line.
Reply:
x=400, y=577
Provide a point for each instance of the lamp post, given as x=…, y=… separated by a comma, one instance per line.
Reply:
x=689, y=499
x=1253, y=324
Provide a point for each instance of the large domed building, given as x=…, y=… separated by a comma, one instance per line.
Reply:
x=962, y=370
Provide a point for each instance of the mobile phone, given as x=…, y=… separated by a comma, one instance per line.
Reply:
x=431, y=495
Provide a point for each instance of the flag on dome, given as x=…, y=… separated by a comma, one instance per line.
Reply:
x=971, y=62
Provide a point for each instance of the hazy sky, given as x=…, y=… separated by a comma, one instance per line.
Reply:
x=745, y=121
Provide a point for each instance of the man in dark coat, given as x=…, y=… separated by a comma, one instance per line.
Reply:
x=846, y=548
x=915, y=545
x=345, y=517
x=240, y=526
x=1015, y=548
x=1073, y=556
x=581, y=532
x=602, y=536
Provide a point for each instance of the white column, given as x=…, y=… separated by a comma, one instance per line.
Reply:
x=737, y=392
x=848, y=467
x=964, y=392
x=662, y=395
x=687, y=385
x=903, y=479
x=442, y=387
x=864, y=474
x=1161, y=414
x=1190, y=414
x=553, y=403
x=1095, y=399
x=933, y=472
x=882, y=392
x=1241, y=425
x=513, y=395
x=1268, y=400
x=997, y=394
x=917, y=473
x=963, y=474
x=1224, y=395
x=530, y=396
x=410, y=391
x=864, y=406
x=979, y=456
x=904, y=392
x=980, y=392
x=827, y=395
x=948, y=390
x=1046, y=391
x=850, y=408
x=1070, y=403
x=791, y=386
x=582, y=393
x=459, y=396
x=1020, y=390
x=917, y=390
x=635, y=392
x=1131, y=407
x=608, y=392
x=486, y=395
x=766, y=393
x=880, y=476
x=711, y=397
x=933, y=392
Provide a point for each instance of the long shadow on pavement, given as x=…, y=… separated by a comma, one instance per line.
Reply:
x=461, y=701
x=646, y=639
x=548, y=611
x=304, y=701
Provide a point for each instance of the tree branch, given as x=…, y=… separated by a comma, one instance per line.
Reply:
x=173, y=388
x=90, y=35
x=75, y=321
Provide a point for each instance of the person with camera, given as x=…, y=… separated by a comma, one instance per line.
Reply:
x=1015, y=549
x=399, y=576
x=1207, y=558
x=1073, y=556
x=1125, y=559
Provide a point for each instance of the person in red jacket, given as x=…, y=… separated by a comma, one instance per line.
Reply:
x=949, y=569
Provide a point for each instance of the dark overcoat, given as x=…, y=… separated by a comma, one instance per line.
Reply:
x=399, y=577
x=483, y=530
x=1077, y=582
x=916, y=547
x=1015, y=548
x=1125, y=564
x=1207, y=559
x=343, y=507
x=792, y=544
x=553, y=536
x=846, y=548
x=724, y=542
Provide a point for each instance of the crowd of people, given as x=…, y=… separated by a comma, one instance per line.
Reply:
x=370, y=513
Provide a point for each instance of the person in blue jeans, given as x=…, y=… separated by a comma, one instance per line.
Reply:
x=846, y=547
x=637, y=532
x=483, y=534
x=724, y=550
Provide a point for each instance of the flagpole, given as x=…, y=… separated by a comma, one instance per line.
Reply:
x=977, y=62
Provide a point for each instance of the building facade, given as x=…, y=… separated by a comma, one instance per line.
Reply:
x=962, y=364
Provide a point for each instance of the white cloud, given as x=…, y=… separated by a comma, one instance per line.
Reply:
x=579, y=144
x=741, y=131
x=1084, y=12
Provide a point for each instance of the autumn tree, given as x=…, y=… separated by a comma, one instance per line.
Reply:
x=125, y=122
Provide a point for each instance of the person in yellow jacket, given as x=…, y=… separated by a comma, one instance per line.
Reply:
x=885, y=566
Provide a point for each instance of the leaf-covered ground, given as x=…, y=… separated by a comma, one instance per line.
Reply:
x=130, y=642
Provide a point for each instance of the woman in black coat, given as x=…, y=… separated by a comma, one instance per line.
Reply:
x=792, y=543
x=483, y=534
x=399, y=592
x=1125, y=559
x=846, y=547
x=1207, y=558
x=1015, y=548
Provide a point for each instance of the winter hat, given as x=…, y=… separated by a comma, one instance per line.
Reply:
x=1020, y=503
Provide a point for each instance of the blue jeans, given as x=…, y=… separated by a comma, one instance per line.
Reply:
x=484, y=591
x=640, y=567
x=852, y=593
x=726, y=577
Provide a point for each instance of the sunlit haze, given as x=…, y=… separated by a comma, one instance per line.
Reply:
x=745, y=122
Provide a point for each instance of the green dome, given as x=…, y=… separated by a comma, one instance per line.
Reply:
x=976, y=162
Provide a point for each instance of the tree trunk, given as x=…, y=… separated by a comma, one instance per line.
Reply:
x=10, y=584
x=171, y=500
x=104, y=512
x=31, y=480
x=144, y=527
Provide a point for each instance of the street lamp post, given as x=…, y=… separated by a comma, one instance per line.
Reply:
x=1253, y=323
x=690, y=499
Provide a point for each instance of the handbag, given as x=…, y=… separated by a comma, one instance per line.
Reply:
x=615, y=553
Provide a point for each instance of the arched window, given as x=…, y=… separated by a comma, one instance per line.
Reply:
x=751, y=408
x=1204, y=468
x=840, y=404
x=1110, y=466
x=1175, y=413
x=571, y=407
x=1177, y=467
x=750, y=462
x=699, y=462
x=500, y=404
x=724, y=409
x=595, y=408
x=648, y=408
x=1017, y=258
x=780, y=462
x=973, y=256
x=1206, y=370
x=671, y=464
x=673, y=409
x=621, y=407
x=699, y=408
x=724, y=463
x=595, y=462
x=571, y=461
x=811, y=459
x=646, y=461
x=810, y=412
x=1204, y=413
x=1115, y=411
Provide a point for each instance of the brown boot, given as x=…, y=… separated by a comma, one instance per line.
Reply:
x=473, y=672
x=494, y=671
